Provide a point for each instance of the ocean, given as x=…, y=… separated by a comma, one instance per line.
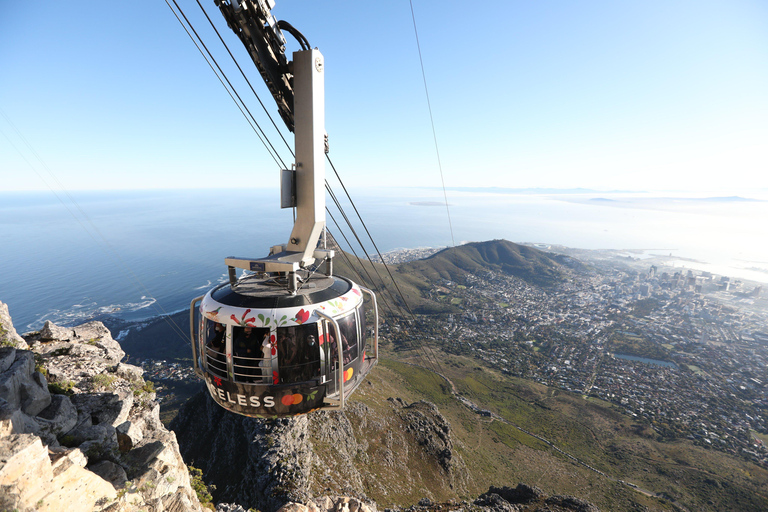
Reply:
x=136, y=255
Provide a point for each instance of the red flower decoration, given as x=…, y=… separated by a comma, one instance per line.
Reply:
x=217, y=381
x=274, y=351
x=356, y=291
x=272, y=338
x=275, y=378
x=301, y=317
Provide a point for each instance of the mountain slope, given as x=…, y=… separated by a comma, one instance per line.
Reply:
x=532, y=265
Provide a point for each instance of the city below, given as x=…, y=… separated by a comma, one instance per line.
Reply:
x=684, y=352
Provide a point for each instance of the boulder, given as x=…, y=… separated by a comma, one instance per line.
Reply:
x=59, y=417
x=96, y=441
x=102, y=408
x=51, y=331
x=25, y=469
x=129, y=435
x=7, y=357
x=110, y=472
x=23, y=387
x=96, y=334
x=14, y=421
x=35, y=396
x=8, y=334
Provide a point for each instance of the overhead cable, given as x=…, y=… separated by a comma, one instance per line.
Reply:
x=432, y=121
x=265, y=140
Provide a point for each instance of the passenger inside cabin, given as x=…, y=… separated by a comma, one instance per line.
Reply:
x=266, y=358
x=216, y=359
x=298, y=353
x=217, y=341
x=245, y=354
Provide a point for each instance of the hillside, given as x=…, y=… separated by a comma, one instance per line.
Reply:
x=417, y=279
x=566, y=443
x=529, y=264
x=405, y=438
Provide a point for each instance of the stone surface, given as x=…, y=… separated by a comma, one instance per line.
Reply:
x=59, y=417
x=8, y=334
x=111, y=472
x=87, y=473
x=51, y=331
x=7, y=357
x=35, y=395
x=21, y=388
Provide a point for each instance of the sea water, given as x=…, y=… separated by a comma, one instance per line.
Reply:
x=70, y=256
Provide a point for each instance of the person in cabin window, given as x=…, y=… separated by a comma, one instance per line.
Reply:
x=266, y=361
x=245, y=351
x=289, y=371
x=217, y=341
x=216, y=358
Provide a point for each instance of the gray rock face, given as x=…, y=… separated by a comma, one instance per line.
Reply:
x=7, y=357
x=51, y=331
x=260, y=464
x=572, y=503
x=59, y=417
x=264, y=464
x=22, y=387
x=8, y=334
x=97, y=394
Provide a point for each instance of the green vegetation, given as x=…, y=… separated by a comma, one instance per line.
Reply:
x=40, y=364
x=103, y=382
x=5, y=340
x=634, y=345
x=760, y=436
x=202, y=490
x=65, y=387
x=590, y=429
x=644, y=307
x=143, y=387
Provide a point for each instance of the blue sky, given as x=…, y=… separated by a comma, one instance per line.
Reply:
x=597, y=94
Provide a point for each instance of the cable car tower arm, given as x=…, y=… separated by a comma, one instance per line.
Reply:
x=299, y=91
x=256, y=27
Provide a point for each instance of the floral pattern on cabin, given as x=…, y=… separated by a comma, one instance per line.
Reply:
x=252, y=317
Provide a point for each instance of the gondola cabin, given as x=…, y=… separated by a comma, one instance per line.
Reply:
x=264, y=352
x=286, y=337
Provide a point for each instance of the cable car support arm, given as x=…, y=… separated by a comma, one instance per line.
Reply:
x=299, y=90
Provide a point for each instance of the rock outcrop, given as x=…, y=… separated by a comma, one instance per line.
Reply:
x=523, y=498
x=79, y=430
x=264, y=464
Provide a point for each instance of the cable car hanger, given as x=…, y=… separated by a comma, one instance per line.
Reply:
x=287, y=337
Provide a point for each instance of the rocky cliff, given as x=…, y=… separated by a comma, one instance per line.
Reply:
x=79, y=430
x=402, y=454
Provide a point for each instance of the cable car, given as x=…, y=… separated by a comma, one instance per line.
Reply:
x=287, y=337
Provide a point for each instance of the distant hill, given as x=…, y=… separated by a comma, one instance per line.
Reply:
x=416, y=279
x=532, y=265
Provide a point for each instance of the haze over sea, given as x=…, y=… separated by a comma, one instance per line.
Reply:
x=139, y=254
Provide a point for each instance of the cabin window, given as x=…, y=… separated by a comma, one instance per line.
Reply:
x=363, y=334
x=215, y=352
x=298, y=353
x=348, y=326
x=249, y=362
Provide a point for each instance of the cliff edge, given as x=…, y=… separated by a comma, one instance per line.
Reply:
x=79, y=430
